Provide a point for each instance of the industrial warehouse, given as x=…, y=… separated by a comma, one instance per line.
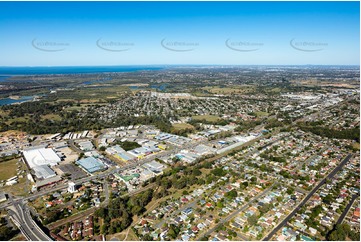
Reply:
x=90, y=164
x=40, y=160
x=42, y=156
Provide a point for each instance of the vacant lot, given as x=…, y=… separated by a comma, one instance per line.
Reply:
x=8, y=169
x=182, y=126
x=239, y=89
x=208, y=118
x=18, y=119
x=54, y=117
x=19, y=189
x=261, y=114
x=126, y=235
x=83, y=105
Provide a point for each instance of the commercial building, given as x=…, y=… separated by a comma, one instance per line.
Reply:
x=47, y=182
x=241, y=140
x=154, y=166
x=126, y=156
x=86, y=145
x=91, y=164
x=146, y=174
x=43, y=172
x=71, y=187
x=203, y=150
x=2, y=197
x=114, y=150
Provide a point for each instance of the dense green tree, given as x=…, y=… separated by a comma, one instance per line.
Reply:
x=341, y=232
x=219, y=172
x=265, y=208
x=6, y=233
x=252, y=220
x=231, y=194
x=353, y=134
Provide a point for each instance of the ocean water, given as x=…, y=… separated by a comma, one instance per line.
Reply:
x=6, y=72
x=7, y=101
x=3, y=78
x=9, y=71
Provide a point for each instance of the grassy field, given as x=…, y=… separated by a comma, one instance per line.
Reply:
x=201, y=94
x=3, y=113
x=82, y=105
x=26, y=117
x=356, y=145
x=19, y=189
x=8, y=169
x=182, y=126
x=89, y=94
x=208, y=118
x=75, y=108
x=127, y=235
x=18, y=119
x=275, y=90
x=54, y=117
x=239, y=89
x=261, y=114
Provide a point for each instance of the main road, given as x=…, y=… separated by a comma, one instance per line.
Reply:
x=349, y=205
x=91, y=210
x=303, y=202
x=21, y=216
x=99, y=175
x=111, y=171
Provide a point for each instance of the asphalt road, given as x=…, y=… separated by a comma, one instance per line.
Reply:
x=74, y=147
x=108, y=172
x=16, y=220
x=91, y=210
x=182, y=208
x=306, y=162
x=22, y=215
x=229, y=217
x=349, y=205
x=25, y=222
x=303, y=202
x=86, y=179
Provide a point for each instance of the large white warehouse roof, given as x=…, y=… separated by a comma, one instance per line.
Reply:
x=42, y=156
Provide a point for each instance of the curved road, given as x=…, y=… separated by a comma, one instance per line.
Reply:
x=25, y=222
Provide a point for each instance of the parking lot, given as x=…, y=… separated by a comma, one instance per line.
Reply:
x=74, y=171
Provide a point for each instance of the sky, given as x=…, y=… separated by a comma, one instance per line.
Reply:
x=179, y=33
